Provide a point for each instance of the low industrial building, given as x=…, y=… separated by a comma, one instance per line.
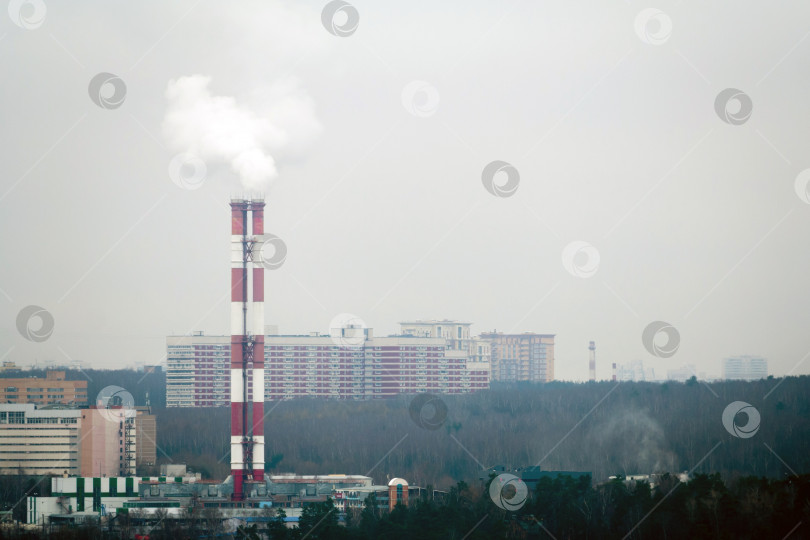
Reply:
x=179, y=495
x=531, y=475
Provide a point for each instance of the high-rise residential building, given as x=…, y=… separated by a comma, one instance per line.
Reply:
x=53, y=389
x=746, y=368
x=521, y=357
x=38, y=441
x=198, y=370
x=353, y=365
x=456, y=333
x=108, y=441
x=378, y=367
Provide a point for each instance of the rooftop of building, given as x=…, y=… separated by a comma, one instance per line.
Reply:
x=314, y=478
x=436, y=321
x=495, y=333
x=33, y=410
x=52, y=375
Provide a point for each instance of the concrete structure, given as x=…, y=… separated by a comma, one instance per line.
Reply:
x=173, y=469
x=81, y=497
x=39, y=441
x=381, y=367
x=455, y=333
x=320, y=366
x=198, y=371
x=145, y=437
x=289, y=491
x=74, y=500
x=397, y=493
x=592, y=361
x=247, y=344
x=51, y=390
x=684, y=373
x=634, y=371
x=746, y=368
x=108, y=441
x=530, y=475
x=521, y=357
x=8, y=366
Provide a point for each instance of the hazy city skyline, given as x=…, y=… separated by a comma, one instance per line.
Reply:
x=626, y=196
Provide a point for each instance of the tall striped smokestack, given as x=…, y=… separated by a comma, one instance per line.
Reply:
x=257, y=207
x=592, y=361
x=239, y=342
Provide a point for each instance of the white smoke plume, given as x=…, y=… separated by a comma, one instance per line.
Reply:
x=249, y=136
x=634, y=442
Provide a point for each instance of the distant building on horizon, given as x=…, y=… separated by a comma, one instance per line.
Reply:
x=8, y=365
x=634, y=371
x=52, y=389
x=521, y=357
x=745, y=368
x=684, y=373
x=456, y=333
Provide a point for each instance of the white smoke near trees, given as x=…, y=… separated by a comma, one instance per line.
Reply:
x=249, y=135
x=634, y=441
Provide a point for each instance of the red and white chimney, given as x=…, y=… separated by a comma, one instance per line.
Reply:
x=257, y=207
x=247, y=345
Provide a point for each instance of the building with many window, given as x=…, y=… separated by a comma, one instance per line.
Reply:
x=198, y=371
x=456, y=333
x=51, y=390
x=746, y=368
x=108, y=441
x=8, y=366
x=38, y=441
x=521, y=357
x=352, y=365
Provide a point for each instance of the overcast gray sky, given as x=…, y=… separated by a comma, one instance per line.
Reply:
x=378, y=140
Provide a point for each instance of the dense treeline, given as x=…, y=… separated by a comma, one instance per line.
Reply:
x=603, y=428
x=562, y=508
x=136, y=383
